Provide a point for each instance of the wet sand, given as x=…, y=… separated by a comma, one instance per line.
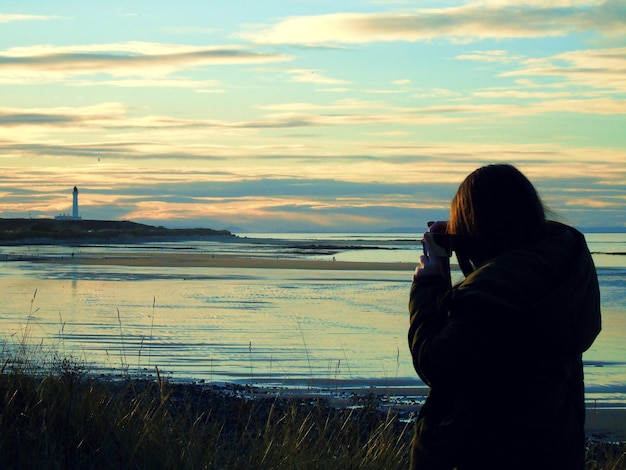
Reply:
x=602, y=423
x=606, y=422
x=219, y=261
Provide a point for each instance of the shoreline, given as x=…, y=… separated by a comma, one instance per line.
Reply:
x=605, y=422
x=192, y=260
x=602, y=423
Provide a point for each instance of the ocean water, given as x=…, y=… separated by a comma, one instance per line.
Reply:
x=295, y=328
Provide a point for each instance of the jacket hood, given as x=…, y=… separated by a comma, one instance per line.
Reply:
x=554, y=281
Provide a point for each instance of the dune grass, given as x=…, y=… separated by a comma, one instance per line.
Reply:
x=55, y=414
x=64, y=418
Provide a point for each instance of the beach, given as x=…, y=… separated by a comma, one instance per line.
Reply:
x=602, y=422
x=203, y=260
x=287, y=316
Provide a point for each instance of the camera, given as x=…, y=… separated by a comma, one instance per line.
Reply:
x=437, y=244
x=441, y=244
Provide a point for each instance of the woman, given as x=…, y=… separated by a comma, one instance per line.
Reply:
x=502, y=350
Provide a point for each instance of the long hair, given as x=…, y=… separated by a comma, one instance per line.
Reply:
x=496, y=209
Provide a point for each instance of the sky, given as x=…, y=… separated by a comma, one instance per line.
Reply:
x=308, y=115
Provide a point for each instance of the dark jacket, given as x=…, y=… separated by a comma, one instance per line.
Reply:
x=502, y=355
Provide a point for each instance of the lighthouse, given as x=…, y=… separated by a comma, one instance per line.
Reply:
x=75, y=205
x=74, y=215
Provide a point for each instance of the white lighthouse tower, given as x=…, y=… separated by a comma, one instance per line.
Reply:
x=74, y=215
x=75, y=205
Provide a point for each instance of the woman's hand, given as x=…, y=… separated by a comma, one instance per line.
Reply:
x=430, y=264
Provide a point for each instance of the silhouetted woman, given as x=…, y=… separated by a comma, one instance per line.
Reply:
x=502, y=350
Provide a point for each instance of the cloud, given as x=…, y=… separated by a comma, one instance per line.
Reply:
x=522, y=94
x=594, y=68
x=494, y=56
x=96, y=115
x=153, y=195
x=436, y=93
x=591, y=203
x=12, y=18
x=26, y=118
x=313, y=76
x=475, y=21
x=53, y=131
x=297, y=115
x=131, y=59
x=339, y=105
x=201, y=85
x=387, y=188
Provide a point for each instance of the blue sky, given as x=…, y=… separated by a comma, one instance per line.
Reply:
x=308, y=115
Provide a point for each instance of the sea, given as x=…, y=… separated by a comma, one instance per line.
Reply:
x=295, y=328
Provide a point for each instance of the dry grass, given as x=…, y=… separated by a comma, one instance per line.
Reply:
x=55, y=415
x=67, y=420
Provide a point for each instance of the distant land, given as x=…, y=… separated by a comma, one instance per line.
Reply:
x=602, y=229
x=52, y=231
x=592, y=229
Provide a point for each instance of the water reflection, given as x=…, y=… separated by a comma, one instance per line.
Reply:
x=276, y=326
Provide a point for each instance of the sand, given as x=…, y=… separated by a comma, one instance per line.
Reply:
x=219, y=261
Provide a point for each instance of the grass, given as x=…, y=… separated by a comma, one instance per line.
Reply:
x=65, y=418
x=54, y=414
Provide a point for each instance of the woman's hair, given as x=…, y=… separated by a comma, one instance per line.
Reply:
x=496, y=209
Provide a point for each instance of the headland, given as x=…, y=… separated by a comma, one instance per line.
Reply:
x=55, y=231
